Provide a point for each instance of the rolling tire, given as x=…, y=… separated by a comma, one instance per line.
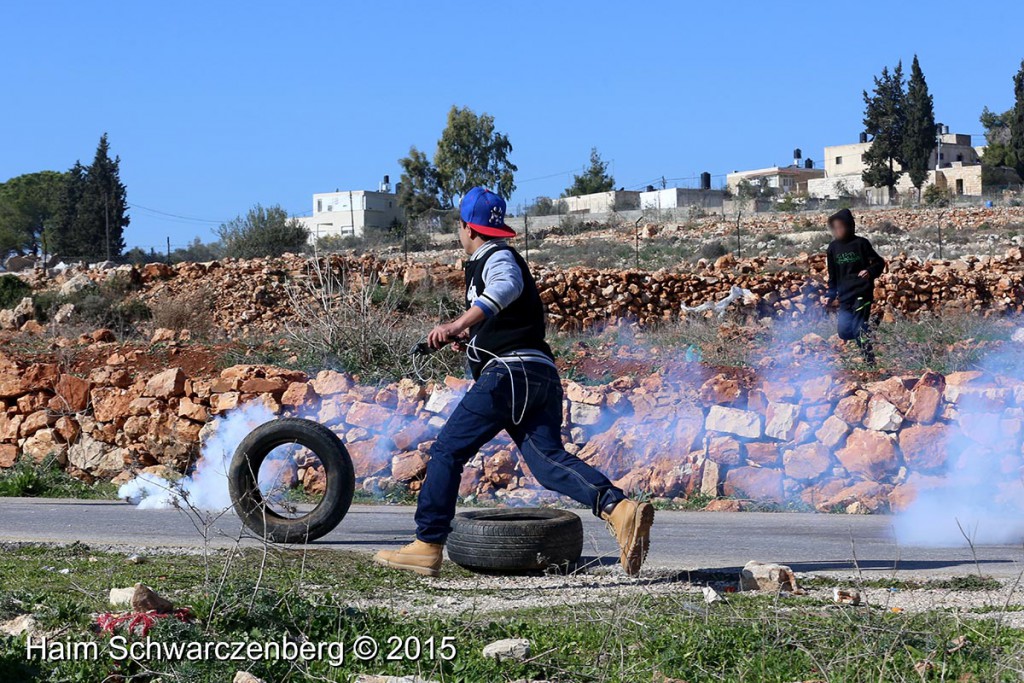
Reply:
x=516, y=540
x=248, y=501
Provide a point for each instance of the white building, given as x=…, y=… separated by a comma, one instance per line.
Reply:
x=681, y=198
x=348, y=213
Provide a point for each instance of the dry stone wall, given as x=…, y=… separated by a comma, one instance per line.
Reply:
x=822, y=443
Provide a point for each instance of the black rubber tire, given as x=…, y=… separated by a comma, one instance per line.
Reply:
x=515, y=540
x=245, y=491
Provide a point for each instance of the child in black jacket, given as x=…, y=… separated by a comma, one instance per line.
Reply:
x=853, y=265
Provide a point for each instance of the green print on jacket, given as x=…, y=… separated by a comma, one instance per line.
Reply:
x=847, y=257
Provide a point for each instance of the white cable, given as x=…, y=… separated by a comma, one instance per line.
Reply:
x=471, y=346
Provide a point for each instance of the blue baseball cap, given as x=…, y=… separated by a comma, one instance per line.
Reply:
x=484, y=211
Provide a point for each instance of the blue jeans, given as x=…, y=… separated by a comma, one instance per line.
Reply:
x=483, y=412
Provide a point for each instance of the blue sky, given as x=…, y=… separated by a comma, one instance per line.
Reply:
x=215, y=106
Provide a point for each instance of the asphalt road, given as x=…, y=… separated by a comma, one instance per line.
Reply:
x=682, y=540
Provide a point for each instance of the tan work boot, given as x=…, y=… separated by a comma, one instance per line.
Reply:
x=630, y=524
x=422, y=558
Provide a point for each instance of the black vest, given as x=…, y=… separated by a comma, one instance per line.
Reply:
x=519, y=326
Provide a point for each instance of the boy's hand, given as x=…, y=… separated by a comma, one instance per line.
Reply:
x=864, y=274
x=442, y=334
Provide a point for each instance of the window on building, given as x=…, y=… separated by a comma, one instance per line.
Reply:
x=839, y=161
x=319, y=205
x=959, y=185
x=941, y=156
x=864, y=158
x=959, y=157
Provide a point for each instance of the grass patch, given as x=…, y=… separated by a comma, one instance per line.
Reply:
x=636, y=635
x=46, y=479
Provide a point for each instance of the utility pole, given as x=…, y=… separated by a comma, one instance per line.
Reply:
x=526, y=235
x=106, y=221
x=168, y=248
x=636, y=237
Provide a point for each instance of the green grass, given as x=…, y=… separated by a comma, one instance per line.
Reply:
x=636, y=634
x=47, y=480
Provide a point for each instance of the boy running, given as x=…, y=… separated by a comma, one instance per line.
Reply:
x=517, y=389
x=853, y=266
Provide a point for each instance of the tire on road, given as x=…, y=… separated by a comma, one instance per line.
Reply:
x=516, y=540
x=249, y=503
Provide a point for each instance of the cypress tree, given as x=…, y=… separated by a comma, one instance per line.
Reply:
x=919, y=139
x=1017, y=121
x=102, y=213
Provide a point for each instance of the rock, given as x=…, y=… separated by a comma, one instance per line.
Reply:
x=869, y=453
x=882, y=416
x=167, y=384
x=246, y=677
x=329, y=383
x=724, y=450
x=516, y=649
x=121, y=597
x=720, y=390
x=727, y=420
x=8, y=455
x=845, y=596
x=71, y=393
x=95, y=457
x=781, y=420
x=1018, y=336
x=145, y=599
x=762, y=454
x=103, y=335
x=442, y=400
x=852, y=409
x=925, y=446
x=187, y=408
x=408, y=466
x=75, y=285
x=163, y=335
x=807, y=461
x=724, y=505
x=369, y=416
x=758, y=483
x=19, y=625
x=764, y=576
x=926, y=398
x=298, y=395
x=832, y=432
x=584, y=414
x=711, y=596
x=711, y=479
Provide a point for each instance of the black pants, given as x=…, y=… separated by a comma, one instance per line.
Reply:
x=855, y=323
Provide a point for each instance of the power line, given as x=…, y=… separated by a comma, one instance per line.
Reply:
x=174, y=215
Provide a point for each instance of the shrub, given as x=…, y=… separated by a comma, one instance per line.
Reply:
x=192, y=311
x=12, y=290
x=713, y=250
x=262, y=232
x=935, y=196
x=355, y=322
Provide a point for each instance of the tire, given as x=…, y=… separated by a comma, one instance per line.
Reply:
x=245, y=491
x=516, y=540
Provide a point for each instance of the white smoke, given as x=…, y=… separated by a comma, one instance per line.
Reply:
x=206, y=488
x=978, y=496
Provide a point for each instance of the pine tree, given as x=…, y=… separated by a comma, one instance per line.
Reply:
x=1017, y=121
x=594, y=179
x=885, y=122
x=919, y=138
x=60, y=237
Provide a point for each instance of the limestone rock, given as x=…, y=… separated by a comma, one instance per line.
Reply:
x=744, y=423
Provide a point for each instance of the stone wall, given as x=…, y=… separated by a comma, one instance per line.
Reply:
x=823, y=443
